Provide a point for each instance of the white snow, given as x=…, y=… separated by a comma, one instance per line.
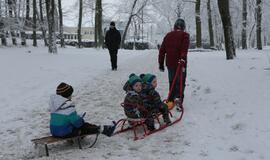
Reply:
x=226, y=104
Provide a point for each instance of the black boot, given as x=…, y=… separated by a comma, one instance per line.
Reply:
x=150, y=123
x=151, y=128
x=166, y=119
x=109, y=129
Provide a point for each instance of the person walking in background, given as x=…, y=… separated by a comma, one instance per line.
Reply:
x=112, y=41
x=175, y=48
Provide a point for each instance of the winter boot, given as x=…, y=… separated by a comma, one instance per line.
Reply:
x=178, y=103
x=166, y=119
x=109, y=129
x=151, y=127
x=150, y=123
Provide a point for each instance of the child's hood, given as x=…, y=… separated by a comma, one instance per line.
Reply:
x=127, y=87
x=57, y=101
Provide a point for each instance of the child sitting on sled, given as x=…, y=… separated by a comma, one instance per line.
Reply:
x=133, y=103
x=151, y=98
x=65, y=122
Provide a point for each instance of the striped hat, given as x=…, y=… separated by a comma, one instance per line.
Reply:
x=64, y=90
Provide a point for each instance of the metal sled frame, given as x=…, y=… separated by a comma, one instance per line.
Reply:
x=135, y=123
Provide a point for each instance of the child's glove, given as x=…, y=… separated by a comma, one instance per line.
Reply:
x=161, y=67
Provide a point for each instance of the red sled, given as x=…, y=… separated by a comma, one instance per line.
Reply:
x=134, y=124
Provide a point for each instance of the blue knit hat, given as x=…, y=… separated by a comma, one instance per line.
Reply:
x=133, y=79
x=147, y=78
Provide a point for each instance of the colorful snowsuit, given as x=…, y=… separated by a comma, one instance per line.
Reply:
x=65, y=122
x=152, y=101
x=134, y=108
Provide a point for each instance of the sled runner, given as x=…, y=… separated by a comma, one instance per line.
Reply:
x=134, y=124
x=50, y=140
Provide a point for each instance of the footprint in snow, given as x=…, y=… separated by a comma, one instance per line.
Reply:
x=187, y=143
x=203, y=154
x=207, y=90
x=238, y=127
x=234, y=148
x=229, y=116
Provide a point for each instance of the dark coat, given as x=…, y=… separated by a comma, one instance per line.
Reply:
x=151, y=98
x=174, y=47
x=113, y=39
x=133, y=103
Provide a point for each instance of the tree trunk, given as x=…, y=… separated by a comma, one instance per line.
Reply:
x=27, y=16
x=244, y=25
x=224, y=10
x=2, y=25
x=50, y=7
x=128, y=23
x=62, y=40
x=10, y=11
x=80, y=24
x=98, y=24
x=34, y=23
x=22, y=24
x=210, y=24
x=198, y=24
x=42, y=23
x=259, y=24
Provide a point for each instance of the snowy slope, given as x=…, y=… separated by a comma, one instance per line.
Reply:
x=227, y=104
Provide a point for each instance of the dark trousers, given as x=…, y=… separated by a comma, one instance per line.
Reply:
x=149, y=119
x=176, y=89
x=163, y=109
x=86, y=128
x=113, y=55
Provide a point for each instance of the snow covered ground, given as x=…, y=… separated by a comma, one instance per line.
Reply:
x=226, y=105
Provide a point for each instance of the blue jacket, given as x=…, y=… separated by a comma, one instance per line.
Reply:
x=64, y=118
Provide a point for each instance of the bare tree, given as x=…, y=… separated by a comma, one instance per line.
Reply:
x=133, y=12
x=210, y=24
x=224, y=10
x=41, y=22
x=80, y=24
x=2, y=26
x=61, y=35
x=179, y=9
x=10, y=11
x=244, y=24
x=22, y=22
x=34, y=23
x=259, y=24
x=50, y=8
x=27, y=12
x=198, y=24
x=99, y=38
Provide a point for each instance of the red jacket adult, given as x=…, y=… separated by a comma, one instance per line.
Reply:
x=174, y=47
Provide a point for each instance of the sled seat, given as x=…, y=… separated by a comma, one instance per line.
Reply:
x=50, y=140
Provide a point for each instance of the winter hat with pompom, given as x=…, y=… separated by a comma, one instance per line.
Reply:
x=147, y=78
x=64, y=90
x=133, y=79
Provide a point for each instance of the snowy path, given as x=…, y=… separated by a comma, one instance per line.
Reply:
x=227, y=108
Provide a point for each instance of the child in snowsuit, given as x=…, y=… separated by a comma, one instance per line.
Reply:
x=133, y=103
x=65, y=122
x=151, y=98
